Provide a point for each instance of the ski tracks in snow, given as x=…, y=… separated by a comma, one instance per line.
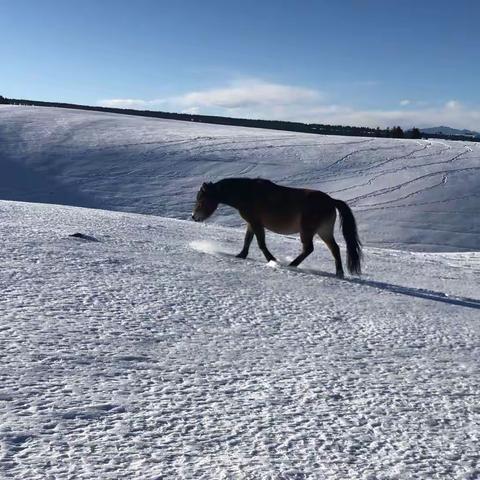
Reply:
x=156, y=166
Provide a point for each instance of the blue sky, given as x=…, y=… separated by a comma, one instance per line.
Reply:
x=354, y=62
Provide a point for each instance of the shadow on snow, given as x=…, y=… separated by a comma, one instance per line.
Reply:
x=389, y=287
x=409, y=291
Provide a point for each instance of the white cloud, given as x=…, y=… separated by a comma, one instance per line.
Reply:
x=191, y=110
x=452, y=104
x=239, y=95
x=456, y=117
x=250, y=93
x=123, y=103
x=253, y=98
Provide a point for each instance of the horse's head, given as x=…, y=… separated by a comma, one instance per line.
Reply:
x=207, y=202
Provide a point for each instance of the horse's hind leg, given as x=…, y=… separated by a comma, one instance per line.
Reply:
x=246, y=244
x=329, y=239
x=306, y=236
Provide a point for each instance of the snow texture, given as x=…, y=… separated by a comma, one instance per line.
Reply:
x=409, y=194
x=153, y=353
x=138, y=347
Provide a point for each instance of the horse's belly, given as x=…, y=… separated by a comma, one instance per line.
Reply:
x=283, y=226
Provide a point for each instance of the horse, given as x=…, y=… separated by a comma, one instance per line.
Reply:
x=284, y=210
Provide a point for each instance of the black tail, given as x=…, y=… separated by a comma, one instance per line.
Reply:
x=349, y=230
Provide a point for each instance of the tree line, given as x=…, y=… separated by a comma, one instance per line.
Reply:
x=394, y=132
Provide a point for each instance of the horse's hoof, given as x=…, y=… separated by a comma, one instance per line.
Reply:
x=340, y=275
x=241, y=255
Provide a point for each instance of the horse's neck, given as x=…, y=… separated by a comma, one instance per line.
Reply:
x=229, y=194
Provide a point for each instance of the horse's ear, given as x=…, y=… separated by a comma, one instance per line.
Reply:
x=207, y=186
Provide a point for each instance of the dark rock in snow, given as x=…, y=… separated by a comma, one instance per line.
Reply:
x=82, y=236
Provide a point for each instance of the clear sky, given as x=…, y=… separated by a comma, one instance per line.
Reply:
x=355, y=62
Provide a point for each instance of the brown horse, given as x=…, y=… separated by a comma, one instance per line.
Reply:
x=285, y=210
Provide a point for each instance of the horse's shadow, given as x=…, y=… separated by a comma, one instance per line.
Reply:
x=390, y=287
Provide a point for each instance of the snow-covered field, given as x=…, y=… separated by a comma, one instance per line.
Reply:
x=152, y=353
x=408, y=194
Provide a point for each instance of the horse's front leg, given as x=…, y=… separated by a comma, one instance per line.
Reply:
x=260, y=234
x=246, y=244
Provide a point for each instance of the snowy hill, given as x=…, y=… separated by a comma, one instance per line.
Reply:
x=450, y=131
x=142, y=349
x=151, y=353
x=408, y=194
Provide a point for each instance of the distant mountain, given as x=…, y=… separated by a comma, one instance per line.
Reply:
x=449, y=131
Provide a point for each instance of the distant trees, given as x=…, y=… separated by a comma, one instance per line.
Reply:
x=397, y=132
x=3, y=99
x=415, y=133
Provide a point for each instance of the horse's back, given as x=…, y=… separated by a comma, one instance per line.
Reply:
x=286, y=210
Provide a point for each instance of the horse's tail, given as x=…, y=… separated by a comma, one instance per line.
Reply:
x=349, y=230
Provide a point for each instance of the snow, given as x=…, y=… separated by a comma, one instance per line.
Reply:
x=135, y=346
x=152, y=353
x=408, y=194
